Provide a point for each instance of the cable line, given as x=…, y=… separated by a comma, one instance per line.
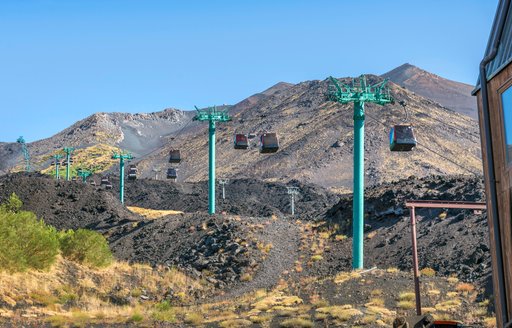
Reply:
x=433, y=151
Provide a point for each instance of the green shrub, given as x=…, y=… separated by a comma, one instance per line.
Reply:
x=85, y=246
x=25, y=242
x=12, y=205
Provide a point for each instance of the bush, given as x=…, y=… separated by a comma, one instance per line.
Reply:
x=12, y=205
x=25, y=242
x=428, y=272
x=87, y=247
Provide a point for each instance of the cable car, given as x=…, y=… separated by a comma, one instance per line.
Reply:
x=108, y=185
x=65, y=162
x=401, y=138
x=172, y=174
x=104, y=181
x=74, y=179
x=174, y=156
x=241, y=141
x=132, y=173
x=269, y=142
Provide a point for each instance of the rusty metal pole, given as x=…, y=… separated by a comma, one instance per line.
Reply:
x=415, y=262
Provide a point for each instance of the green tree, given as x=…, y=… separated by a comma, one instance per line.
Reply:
x=85, y=246
x=13, y=204
x=26, y=242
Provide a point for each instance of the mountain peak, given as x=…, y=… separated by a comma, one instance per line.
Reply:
x=450, y=94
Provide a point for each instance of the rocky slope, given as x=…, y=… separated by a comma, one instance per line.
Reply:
x=138, y=133
x=316, y=138
x=448, y=93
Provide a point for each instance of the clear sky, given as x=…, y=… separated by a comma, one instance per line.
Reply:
x=62, y=60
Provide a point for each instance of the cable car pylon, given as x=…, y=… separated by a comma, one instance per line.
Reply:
x=68, y=151
x=57, y=158
x=26, y=155
x=212, y=115
x=121, y=156
x=359, y=93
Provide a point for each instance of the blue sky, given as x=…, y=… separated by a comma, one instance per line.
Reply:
x=61, y=61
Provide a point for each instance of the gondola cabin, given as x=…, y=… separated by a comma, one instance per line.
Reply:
x=174, y=156
x=172, y=174
x=241, y=141
x=132, y=173
x=269, y=143
x=104, y=181
x=494, y=99
x=401, y=138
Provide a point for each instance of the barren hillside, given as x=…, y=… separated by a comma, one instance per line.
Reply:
x=448, y=93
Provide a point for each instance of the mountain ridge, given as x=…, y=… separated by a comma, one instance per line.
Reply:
x=316, y=138
x=451, y=94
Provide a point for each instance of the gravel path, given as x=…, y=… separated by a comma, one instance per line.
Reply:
x=284, y=236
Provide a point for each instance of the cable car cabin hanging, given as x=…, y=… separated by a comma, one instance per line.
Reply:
x=401, y=138
x=104, y=181
x=132, y=173
x=269, y=142
x=241, y=141
x=65, y=162
x=174, y=156
x=172, y=174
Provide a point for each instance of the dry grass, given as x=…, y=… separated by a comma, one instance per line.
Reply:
x=407, y=296
x=194, y=318
x=464, y=287
x=428, y=272
x=489, y=322
x=316, y=258
x=296, y=323
x=340, y=237
x=152, y=214
x=392, y=270
x=449, y=305
x=340, y=312
x=346, y=276
x=235, y=323
x=73, y=294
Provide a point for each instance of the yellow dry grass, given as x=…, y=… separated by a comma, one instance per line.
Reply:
x=152, y=214
x=97, y=157
x=50, y=293
x=340, y=312
x=346, y=276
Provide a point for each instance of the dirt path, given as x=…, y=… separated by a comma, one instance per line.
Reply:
x=284, y=236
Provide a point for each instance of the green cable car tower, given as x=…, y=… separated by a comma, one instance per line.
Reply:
x=121, y=156
x=26, y=155
x=68, y=151
x=359, y=93
x=57, y=158
x=211, y=115
x=83, y=173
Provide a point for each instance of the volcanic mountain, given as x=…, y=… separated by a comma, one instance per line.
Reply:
x=448, y=93
x=316, y=137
